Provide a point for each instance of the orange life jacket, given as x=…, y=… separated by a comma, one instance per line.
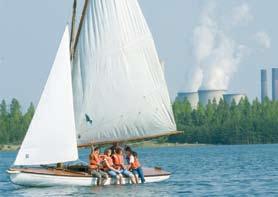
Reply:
x=94, y=161
x=109, y=161
x=102, y=157
x=136, y=164
x=118, y=161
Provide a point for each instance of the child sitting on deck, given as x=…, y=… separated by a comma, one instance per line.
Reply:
x=118, y=161
x=95, y=166
x=108, y=167
x=134, y=164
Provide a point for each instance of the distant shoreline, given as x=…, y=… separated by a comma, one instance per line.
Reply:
x=148, y=144
x=153, y=144
x=9, y=147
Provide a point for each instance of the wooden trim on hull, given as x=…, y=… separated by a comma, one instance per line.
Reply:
x=131, y=139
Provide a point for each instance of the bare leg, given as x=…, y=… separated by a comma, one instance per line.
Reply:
x=121, y=179
x=104, y=176
x=136, y=179
x=118, y=179
x=133, y=180
x=96, y=174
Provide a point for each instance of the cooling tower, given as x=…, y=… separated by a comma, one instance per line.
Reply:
x=264, y=92
x=192, y=97
x=206, y=95
x=274, y=84
x=228, y=98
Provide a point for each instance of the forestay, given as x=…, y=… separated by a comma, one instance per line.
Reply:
x=51, y=137
x=119, y=88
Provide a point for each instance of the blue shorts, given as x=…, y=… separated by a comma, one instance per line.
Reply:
x=126, y=173
x=112, y=173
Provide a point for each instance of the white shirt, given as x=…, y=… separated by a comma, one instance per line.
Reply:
x=131, y=159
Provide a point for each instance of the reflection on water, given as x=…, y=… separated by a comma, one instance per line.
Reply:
x=210, y=170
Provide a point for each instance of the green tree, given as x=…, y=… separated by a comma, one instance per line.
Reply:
x=4, y=136
x=15, y=122
x=245, y=123
x=27, y=118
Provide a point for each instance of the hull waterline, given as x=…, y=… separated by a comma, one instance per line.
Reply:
x=48, y=178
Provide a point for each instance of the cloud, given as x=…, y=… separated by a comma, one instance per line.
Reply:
x=242, y=15
x=263, y=39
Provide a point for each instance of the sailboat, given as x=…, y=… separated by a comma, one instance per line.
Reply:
x=106, y=85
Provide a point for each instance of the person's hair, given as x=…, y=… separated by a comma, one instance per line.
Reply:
x=118, y=150
x=96, y=148
x=128, y=149
x=106, y=150
x=134, y=154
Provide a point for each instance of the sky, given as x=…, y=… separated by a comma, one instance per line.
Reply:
x=204, y=43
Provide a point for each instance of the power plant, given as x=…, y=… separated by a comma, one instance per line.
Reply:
x=192, y=98
x=274, y=84
x=205, y=95
x=264, y=92
x=229, y=98
x=209, y=95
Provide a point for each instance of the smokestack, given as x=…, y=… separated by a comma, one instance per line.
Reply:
x=263, y=84
x=274, y=84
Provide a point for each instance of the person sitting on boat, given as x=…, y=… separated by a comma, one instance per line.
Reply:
x=118, y=161
x=134, y=164
x=108, y=167
x=95, y=165
x=114, y=147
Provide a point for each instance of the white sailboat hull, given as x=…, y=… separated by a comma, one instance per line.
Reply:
x=47, y=180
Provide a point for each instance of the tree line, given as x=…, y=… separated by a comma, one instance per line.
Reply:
x=243, y=123
x=14, y=123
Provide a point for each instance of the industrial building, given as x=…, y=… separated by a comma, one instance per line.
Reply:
x=209, y=95
x=275, y=84
x=228, y=98
x=264, y=92
x=192, y=97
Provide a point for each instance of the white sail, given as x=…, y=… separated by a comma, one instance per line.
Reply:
x=51, y=137
x=119, y=88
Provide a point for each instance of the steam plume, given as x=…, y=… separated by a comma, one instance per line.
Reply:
x=216, y=54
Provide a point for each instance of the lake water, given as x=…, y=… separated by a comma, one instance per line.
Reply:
x=196, y=171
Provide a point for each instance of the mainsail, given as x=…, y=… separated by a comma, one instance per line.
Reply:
x=51, y=137
x=119, y=88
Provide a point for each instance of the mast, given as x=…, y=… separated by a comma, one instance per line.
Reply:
x=75, y=41
x=72, y=32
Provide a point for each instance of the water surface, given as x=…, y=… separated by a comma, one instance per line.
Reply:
x=196, y=171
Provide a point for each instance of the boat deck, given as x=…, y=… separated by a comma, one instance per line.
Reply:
x=148, y=172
